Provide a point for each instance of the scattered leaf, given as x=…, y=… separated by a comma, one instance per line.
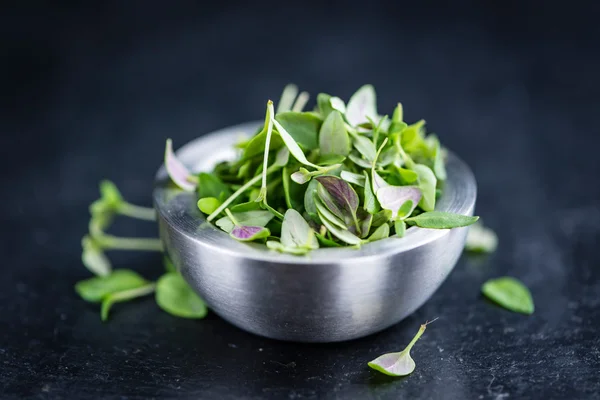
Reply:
x=510, y=293
x=122, y=296
x=96, y=288
x=481, y=239
x=174, y=296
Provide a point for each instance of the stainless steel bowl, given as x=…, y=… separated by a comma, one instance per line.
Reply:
x=329, y=295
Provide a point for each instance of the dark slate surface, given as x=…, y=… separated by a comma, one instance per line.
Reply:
x=89, y=93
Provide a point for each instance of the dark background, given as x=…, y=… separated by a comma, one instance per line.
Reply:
x=92, y=91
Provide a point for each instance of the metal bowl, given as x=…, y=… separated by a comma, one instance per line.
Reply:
x=329, y=295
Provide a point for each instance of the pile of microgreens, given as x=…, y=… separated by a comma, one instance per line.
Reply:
x=370, y=176
x=339, y=175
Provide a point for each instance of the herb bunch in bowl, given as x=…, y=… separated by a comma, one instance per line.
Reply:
x=339, y=175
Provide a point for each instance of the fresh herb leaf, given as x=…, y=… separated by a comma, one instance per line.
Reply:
x=302, y=127
x=439, y=167
x=441, y=220
x=394, y=197
x=178, y=172
x=371, y=205
x=381, y=217
x=210, y=185
x=93, y=257
x=365, y=147
x=174, y=296
x=333, y=138
x=342, y=234
x=351, y=177
x=331, y=217
x=288, y=95
x=324, y=104
x=295, y=231
x=427, y=183
x=309, y=200
x=249, y=233
x=95, y=289
x=247, y=218
x=362, y=106
x=401, y=363
x=208, y=204
x=382, y=232
x=481, y=239
x=400, y=228
x=122, y=296
x=510, y=293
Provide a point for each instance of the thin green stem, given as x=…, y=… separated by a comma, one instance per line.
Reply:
x=110, y=242
x=234, y=196
x=139, y=212
x=286, y=187
x=231, y=217
x=263, y=189
x=407, y=159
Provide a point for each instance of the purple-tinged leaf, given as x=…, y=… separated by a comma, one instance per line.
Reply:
x=178, y=172
x=393, y=197
x=249, y=233
x=378, y=182
x=341, y=192
x=361, y=105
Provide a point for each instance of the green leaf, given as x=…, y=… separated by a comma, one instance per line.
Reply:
x=382, y=232
x=481, y=239
x=295, y=231
x=412, y=138
x=324, y=104
x=174, y=296
x=438, y=162
x=407, y=176
x=400, y=228
x=122, y=296
x=398, y=364
x=325, y=242
x=290, y=91
x=291, y=144
x=441, y=220
x=331, y=159
x=365, y=220
x=510, y=293
x=94, y=258
x=247, y=206
x=351, y=177
x=427, y=183
x=309, y=200
x=247, y=218
x=256, y=145
x=208, y=205
x=365, y=147
x=362, y=106
x=298, y=251
x=381, y=217
x=110, y=194
x=302, y=126
x=358, y=160
x=209, y=185
x=333, y=138
x=371, y=205
x=331, y=217
x=342, y=234
x=95, y=289
x=285, y=179
x=168, y=264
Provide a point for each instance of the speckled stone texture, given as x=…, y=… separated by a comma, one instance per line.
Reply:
x=89, y=93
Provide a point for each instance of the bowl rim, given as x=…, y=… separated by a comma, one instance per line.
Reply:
x=181, y=214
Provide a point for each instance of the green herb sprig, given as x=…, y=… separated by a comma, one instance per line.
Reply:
x=338, y=175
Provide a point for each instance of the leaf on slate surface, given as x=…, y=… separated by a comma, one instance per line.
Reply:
x=94, y=258
x=122, y=296
x=510, y=293
x=96, y=288
x=174, y=296
x=481, y=239
x=398, y=364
